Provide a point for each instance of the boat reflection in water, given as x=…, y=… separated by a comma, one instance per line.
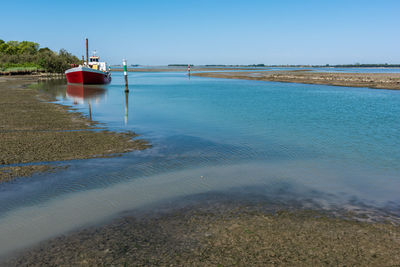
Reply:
x=80, y=94
x=126, y=107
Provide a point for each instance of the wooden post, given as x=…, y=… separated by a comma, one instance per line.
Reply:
x=90, y=111
x=125, y=75
x=126, y=108
x=87, y=51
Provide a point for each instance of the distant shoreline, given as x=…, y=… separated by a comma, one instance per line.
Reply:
x=371, y=80
x=184, y=69
x=260, y=66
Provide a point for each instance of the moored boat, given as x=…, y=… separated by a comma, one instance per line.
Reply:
x=90, y=72
x=87, y=75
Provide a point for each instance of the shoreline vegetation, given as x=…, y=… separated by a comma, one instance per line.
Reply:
x=34, y=130
x=221, y=231
x=370, y=80
x=21, y=58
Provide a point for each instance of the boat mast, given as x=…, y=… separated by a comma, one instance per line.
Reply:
x=87, y=51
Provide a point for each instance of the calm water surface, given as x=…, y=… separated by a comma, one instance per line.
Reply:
x=326, y=145
x=319, y=69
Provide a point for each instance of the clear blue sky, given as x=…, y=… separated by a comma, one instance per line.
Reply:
x=212, y=31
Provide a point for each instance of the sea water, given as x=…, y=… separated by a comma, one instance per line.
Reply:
x=333, y=146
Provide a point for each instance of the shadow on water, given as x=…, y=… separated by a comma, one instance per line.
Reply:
x=56, y=88
x=171, y=154
x=75, y=93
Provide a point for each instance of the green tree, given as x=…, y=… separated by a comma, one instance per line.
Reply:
x=27, y=54
x=26, y=47
x=11, y=50
x=43, y=50
x=3, y=47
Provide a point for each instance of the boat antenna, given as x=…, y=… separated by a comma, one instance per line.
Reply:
x=87, y=51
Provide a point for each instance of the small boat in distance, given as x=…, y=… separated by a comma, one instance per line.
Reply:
x=90, y=72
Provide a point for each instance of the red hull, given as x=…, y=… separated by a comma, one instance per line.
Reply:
x=86, y=75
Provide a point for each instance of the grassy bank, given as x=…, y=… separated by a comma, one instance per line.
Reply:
x=32, y=130
x=371, y=80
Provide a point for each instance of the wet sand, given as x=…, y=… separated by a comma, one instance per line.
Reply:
x=222, y=232
x=33, y=130
x=371, y=80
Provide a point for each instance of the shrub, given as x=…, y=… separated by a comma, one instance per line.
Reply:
x=25, y=54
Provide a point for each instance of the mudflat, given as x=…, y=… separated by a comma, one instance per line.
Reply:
x=223, y=233
x=371, y=80
x=34, y=130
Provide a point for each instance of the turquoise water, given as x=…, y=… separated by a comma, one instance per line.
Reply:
x=326, y=145
x=341, y=123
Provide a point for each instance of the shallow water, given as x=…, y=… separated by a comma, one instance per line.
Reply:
x=336, y=146
x=318, y=69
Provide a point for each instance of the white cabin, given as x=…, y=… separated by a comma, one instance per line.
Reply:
x=94, y=63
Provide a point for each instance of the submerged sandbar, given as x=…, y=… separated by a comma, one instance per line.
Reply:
x=223, y=233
